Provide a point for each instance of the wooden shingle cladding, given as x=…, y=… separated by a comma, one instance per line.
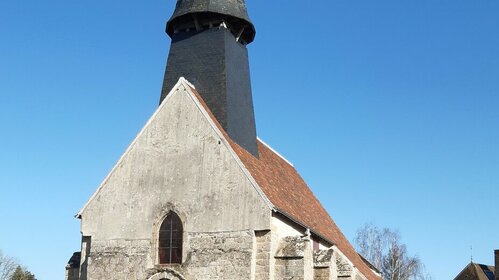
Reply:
x=290, y=195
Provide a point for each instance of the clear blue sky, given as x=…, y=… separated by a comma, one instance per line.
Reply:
x=389, y=109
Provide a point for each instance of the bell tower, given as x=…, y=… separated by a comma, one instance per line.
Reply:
x=208, y=48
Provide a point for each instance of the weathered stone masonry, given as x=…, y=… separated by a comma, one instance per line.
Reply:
x=196, y=195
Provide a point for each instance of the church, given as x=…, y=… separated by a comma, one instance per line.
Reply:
x=197, y=195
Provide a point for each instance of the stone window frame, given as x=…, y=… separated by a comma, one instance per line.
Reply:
x=162, y=214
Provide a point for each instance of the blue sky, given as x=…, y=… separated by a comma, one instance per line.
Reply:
x=388, y=108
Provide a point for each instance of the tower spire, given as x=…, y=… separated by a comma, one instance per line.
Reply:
x=208, y=48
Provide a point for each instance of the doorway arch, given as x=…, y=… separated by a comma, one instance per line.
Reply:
x=167, y=274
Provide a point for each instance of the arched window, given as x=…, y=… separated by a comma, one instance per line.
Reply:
x=170, y=240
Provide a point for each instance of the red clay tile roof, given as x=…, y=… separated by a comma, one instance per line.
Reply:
x=289, y=193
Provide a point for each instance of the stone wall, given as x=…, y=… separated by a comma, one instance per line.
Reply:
x=344, y=267
x=73, y=267
x=231, y=255
x=325, y=265
x=118, y=259
x=226, y=255
x=322, y=273
x=220, y=256
x=293, y=259
x=263, y=255
x=72, y=274
x=289, y=268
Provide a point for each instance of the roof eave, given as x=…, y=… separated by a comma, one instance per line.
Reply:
x=304, y=226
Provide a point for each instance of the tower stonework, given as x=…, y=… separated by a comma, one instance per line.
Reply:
x=208, y=48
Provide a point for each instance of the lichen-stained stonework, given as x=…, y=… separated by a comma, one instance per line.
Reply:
x=179, y=162
x=118, y=258
x=344, y=267
x=223, y=255
x=294, y=258
x=325, y=265
x=263, y=255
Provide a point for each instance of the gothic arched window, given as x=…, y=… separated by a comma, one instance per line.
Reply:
x=170, y=240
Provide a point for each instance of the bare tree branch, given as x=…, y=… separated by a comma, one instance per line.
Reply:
x=7, y=266
x=383, y=248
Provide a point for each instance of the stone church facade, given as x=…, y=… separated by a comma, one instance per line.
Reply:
x=196, y=195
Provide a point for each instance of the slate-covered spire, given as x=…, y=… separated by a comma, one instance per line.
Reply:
x=208, y=48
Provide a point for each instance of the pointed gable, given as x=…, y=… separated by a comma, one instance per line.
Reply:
x=180, y=157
